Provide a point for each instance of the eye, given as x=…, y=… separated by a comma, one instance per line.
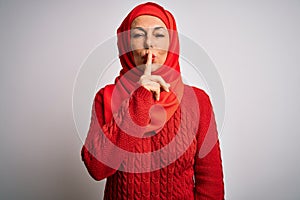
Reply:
x=137, y=35
x=159, y=35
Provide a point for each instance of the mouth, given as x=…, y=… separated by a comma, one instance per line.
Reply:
x=145, y=58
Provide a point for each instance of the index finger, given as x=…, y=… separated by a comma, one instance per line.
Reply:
x=148, y=64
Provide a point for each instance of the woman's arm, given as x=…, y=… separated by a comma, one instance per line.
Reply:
x=208, y=170
x=101, y=135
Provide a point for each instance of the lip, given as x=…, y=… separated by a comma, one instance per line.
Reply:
x=145, y=57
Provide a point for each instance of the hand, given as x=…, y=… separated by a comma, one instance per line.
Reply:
x=153, y=83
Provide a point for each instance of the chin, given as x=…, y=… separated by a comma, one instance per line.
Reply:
x=155, y=66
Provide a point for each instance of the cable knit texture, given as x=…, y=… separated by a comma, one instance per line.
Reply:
x=188, y=177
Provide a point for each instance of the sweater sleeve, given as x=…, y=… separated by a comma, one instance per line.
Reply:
x=208, y=172
x=98, y=150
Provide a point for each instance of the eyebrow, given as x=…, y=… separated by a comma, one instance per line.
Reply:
x=155, y=28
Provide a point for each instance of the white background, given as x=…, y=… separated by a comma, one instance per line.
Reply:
x=254, y=44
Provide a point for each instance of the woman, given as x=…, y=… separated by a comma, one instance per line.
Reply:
x=152, y=136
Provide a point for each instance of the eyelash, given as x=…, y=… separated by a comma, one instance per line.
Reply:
x=137, y=35
x=141, y=35
x=159, y=35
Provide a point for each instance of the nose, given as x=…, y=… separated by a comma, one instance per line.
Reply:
x=148, y=43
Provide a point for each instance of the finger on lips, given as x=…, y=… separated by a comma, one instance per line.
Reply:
x=157, y=81
x=148, y=64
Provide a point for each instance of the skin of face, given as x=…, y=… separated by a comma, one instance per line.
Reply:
x=149, y=33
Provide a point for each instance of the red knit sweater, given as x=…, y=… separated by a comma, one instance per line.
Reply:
x=188, y=177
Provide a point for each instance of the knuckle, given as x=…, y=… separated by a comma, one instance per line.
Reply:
x=157, y=85
x=143, y=76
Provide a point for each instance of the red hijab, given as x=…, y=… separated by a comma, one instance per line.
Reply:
x=126, y=82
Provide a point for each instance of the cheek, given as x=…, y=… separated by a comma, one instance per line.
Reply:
x=163, y=51
x=137, y=58
x=137, y=44
x=136, y=55
x=163, y=48
x=136, y=47
x=163, y=43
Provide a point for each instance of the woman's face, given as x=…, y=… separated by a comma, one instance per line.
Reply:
x=149, y=33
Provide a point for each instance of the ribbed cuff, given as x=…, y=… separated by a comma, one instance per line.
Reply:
x=139, y=106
